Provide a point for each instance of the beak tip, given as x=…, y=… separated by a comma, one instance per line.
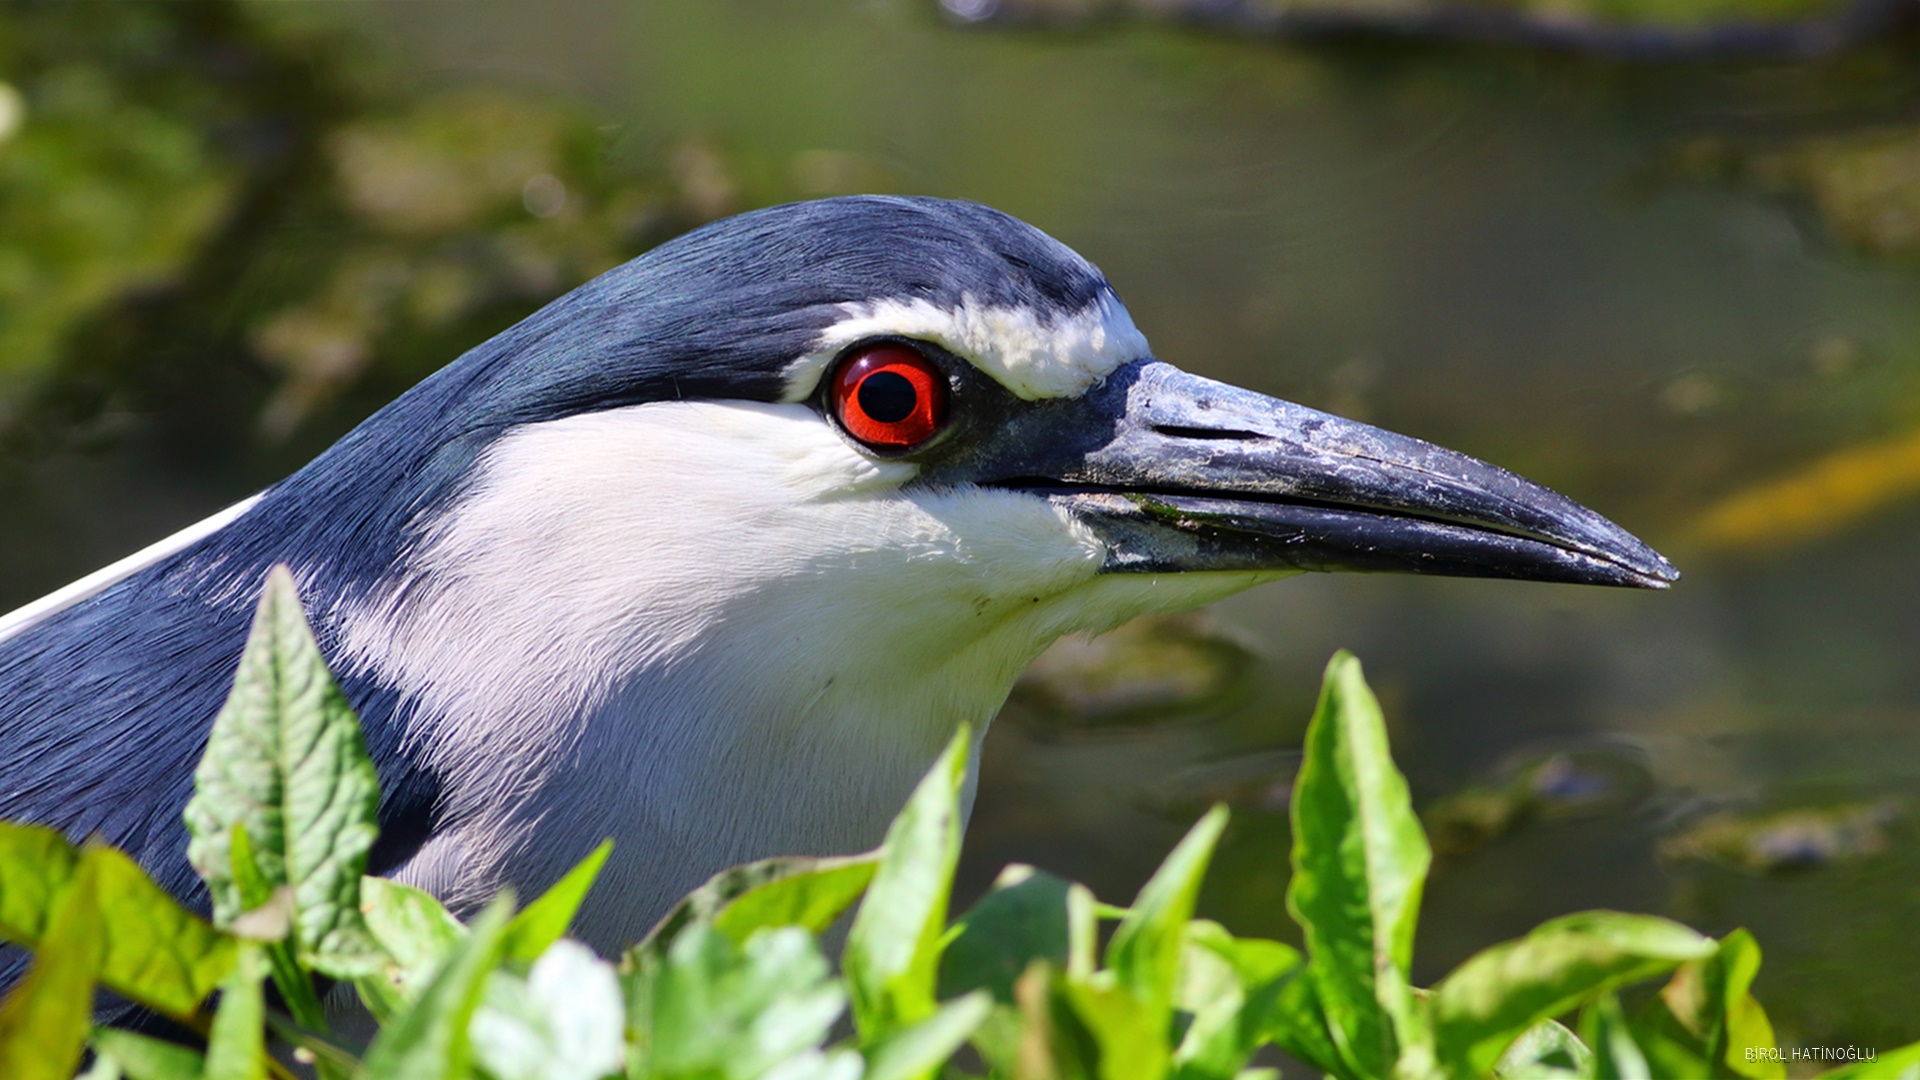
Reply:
x=1653, y=571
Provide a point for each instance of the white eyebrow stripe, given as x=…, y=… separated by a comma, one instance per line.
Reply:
x=1032, y=356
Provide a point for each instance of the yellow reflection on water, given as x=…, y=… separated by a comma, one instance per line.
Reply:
x=1822, y=498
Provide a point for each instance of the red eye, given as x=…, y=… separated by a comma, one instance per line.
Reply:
x=890, y=397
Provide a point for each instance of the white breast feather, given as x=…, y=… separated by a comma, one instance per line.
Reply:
x=716, y=632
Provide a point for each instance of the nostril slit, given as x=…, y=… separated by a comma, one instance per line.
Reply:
x=1176, y=431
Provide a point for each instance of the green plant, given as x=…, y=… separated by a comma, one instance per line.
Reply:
x=734, y=982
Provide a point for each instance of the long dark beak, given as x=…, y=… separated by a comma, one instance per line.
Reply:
x=1181, y=473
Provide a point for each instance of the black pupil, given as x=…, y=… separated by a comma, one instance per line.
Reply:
x=887, y=396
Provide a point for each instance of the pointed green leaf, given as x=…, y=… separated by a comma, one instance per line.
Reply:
x=35, y=865
x=1042, y=1037
x=547, y=919
x=1713, y=1011
x=1359, y=864
x=1545, y=1051
x=1083, y=932
x=837, y=1064
x=44, y=1022
x=430, y=1040
x=237, y=1047
x=921, y=1049
x=1022, y=919
x=330, y=1058
x=564, y=1021
x=1144, y=954
x=411, y=925
x=143, y=1057
x=1030, y=922
x=1669, y=1050
x=811, y=899
x=1291, y=1017
x=893, y=951
x=805, y=891
x=1497, y=994
x=157, y=952
x=1615, y=1055
x=286, y=759
x=264, y=902
x=718, y=1011
x=1223, y=980
x=1129, y=1041
x=417, y=934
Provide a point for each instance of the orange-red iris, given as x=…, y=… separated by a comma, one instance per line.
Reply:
x=890, y=397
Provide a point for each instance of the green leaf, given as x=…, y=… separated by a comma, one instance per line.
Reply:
x=35, y=865
x=810, y=899
x=1031, y=921
x=1043, y=1037
x=839, y=1064
x=1545, y=1051
x=430, y=1040
x=893, y=951
x=547, y=919
x=1489, y=1000
x=267, y=903
x=1711, y=1010
x=102, y=1069
x=1083, y=932
x=45, y=1020
x=417, y=934
x=1669, y=1050
x=564, y=1021
x=921, y=1049
x=330, y=1058
x=1615, y=1054
x=1359, y=864
x=1025, y=917
x=802, y=891
x=1220, y=976
x=237, y=1047
x=718, y=1011
x=1129, y=1043
x=143, y=1057
x=157, y=953
x=286, y=759
x=1144, y=954
x=1291, y=1017
x=1256, y=962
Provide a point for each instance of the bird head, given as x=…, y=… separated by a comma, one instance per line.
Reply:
x=715, y=552
x=795, y=494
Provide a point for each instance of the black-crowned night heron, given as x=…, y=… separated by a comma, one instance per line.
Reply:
x=713, y=554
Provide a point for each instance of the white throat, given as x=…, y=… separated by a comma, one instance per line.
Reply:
x=715, y=632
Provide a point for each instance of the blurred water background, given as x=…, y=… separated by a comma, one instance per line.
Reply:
x=1685, y=293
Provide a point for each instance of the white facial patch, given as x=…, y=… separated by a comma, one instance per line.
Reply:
x=1032, y=356
x=716, y=632
x=713, y=630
